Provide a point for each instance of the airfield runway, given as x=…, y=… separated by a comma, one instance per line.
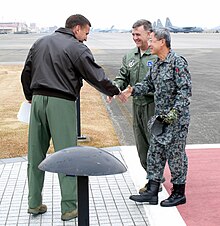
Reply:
x=203, y=53
x=202, y=50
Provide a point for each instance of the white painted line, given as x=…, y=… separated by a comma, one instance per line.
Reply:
x=202, y=146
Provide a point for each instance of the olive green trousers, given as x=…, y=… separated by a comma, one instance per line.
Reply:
x=141, y=115
x=51, y=118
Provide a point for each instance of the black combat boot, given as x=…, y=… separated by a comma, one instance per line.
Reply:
x=177, y=196
x=144, y=189
x=150, y=195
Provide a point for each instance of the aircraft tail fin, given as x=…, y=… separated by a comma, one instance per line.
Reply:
x=112, y=27
x=159, y=24
x=168, y=22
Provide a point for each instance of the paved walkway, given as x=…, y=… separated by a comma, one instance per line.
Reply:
x=109, y=202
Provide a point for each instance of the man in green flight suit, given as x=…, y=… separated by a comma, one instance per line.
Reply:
x=135, y=65
x=52, y=78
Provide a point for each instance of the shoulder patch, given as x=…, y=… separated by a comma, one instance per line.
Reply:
x=177, y=69
x=149, y=63
x=131, y=63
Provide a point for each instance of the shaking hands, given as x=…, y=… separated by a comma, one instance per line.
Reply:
x=123, y=96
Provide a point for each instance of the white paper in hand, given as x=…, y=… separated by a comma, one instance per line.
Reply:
x=24, y=112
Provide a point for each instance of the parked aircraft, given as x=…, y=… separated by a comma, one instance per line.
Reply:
x=106, y=29
x=158, y=24
x=110, y=30
x=175, y=29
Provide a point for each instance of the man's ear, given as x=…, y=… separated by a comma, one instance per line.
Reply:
x=76, y=29
x=163, y=41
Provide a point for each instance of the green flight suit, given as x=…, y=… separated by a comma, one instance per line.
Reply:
x=51, y=118
x=134, y=68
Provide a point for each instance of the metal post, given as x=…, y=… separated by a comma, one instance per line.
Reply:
x=79, y=136
x=83, y=200
x=78, y=117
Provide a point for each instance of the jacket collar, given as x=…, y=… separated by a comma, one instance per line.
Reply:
x=168, y=58
x=65, y=31
x=137, y=51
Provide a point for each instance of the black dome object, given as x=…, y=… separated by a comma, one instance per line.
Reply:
x=82, y=161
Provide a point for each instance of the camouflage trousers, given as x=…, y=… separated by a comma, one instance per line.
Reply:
x=173, y=153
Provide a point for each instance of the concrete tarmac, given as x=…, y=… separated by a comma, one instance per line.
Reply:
x=202, y=51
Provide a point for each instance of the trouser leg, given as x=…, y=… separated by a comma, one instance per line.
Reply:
x=63, y=127
x=38, y=144
x=141, y=115
x=174, y=153
x=156, y=161
x=178, y=163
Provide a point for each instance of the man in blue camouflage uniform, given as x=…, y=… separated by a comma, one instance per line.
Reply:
x=135, y=65
x=170, y=81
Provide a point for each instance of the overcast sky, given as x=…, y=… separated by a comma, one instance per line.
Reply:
x=104, y=14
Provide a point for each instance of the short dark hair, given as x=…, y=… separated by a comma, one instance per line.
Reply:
x=75, y=20
x=145, y=23
x=163, y=33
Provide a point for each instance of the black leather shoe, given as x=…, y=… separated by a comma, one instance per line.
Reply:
x=177, y=196
x=174, y=200
x=150, y=195
x=144, y=189
x=151, y=199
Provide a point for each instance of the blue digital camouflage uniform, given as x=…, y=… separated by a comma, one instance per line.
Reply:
x=134, y=68
x=170, y=81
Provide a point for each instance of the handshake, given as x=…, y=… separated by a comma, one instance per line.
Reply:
x=122, y=96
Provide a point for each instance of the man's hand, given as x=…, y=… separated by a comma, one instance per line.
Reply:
x=122, y=97
x=171, y=117
x=109, y=99
x=128, y=91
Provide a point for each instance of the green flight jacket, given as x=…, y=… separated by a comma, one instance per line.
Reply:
x=134, y=69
